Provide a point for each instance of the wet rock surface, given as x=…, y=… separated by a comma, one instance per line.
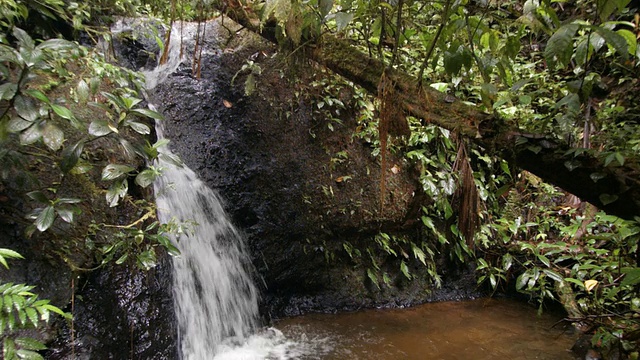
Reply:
x=122, y=313
x=282, y=173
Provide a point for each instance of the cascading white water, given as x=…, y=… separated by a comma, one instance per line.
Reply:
x=215, y=299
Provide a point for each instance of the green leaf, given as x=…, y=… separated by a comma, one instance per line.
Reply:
x=146, y=178
x=122, y=259
x=373, y=277
x=83, y=90
x=17, y=124
x=140, y=128
x=100, y=127
x=38, y=95
x=117, y=191
x=553, y=275
x=31, y=135
x=147, y=259
x=631, y=277
x=115, y=171
x=25, y=108
x=630, y=38
x=62, y=111
x=66, y=214
x=8, y=91
x=52, y=136
x=57, y=45
x=405, y=270
x=45, y=219
x=28, y=355
x=32, y=315
x=607, y=199
x=325, y=7
x=38, y=196
x=70, y=156
x=560, y=46
x=24, y=40
x=148, y=113
x=614, y=40
x=343, y=20
x=419, y=254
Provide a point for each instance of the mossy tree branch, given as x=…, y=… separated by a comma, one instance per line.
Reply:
x=616, y=190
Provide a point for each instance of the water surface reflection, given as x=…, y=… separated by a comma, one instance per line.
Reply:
x=480, y=330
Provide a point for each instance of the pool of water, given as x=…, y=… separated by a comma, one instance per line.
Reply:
x=480, y=330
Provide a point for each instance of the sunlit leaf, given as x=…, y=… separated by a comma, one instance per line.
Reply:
x=45, y=219
x=52, y=136
x=590, y=284
x=115, y=171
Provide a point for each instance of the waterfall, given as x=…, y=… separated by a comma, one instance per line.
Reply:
x=215, y=299
x=214, y=296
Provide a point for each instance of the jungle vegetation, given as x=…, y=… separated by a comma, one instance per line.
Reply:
x=522, y=117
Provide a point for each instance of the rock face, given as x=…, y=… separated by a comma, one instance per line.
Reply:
x=301, y=192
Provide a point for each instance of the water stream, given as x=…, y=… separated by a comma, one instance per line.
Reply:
x=216, y=301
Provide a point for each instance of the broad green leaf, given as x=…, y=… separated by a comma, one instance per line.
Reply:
x=100, y=128
x=57, y=45
x=560, y=46
x=25, y=108
x=63, y=112
x=606, y=8
x=70, y=156
x=148, y=113
x=614, y=40
x=146, y=178
x=28, y=355
x=38, y=95
x=138, y=127
x=343, y=20
x=117, y=191
x=24, y=40
x=45, y=219
x=31, y=135
x=607, y=199
x=83, y=90
x=8, y=90
x=52, y=136
x=419, y=254
x=115, y=171
x=631, y=277
x=630, y=38
x=17, y=124
x=325, y=7
x=38, y=196
x=66, y=214
x=147, y=259
x=553, y=275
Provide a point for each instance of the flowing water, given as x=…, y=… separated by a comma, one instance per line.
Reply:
x=216, y=301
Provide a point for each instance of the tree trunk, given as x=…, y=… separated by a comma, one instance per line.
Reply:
x=614, y=189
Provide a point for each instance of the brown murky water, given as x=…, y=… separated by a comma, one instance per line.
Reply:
x=479, y=330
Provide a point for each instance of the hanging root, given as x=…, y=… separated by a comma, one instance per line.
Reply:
x=392, y=122
x=466, y=199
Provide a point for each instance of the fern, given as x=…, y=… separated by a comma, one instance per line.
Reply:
x=21, y=309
